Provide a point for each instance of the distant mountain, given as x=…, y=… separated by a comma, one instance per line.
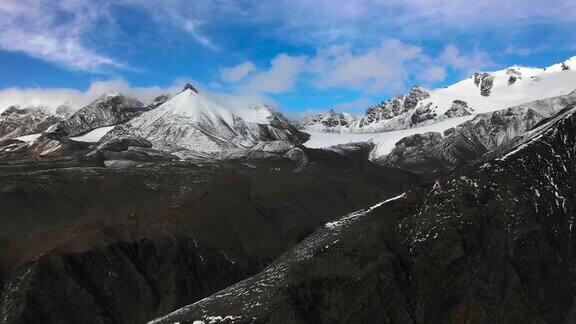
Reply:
x=481, y=92
x=330, y=121
x=16, y=121
x=422, y=110
x=108, y=110
x=190, y=122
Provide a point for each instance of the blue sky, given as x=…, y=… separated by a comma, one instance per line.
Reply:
x=301, y=55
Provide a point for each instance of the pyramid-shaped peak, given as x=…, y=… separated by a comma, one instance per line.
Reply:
x=188, y=86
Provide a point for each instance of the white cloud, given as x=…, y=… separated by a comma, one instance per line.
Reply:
x=238, y=72
x=384, y=67
x=54, y=97
x=389, y=67
x=474, y=61
x=280, y=77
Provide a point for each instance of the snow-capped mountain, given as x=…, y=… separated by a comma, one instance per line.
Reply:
x=481, y=92
x=330, y=121
x=422, y=110
x=486, y=133
x=189, y=121
x=108, y=110
x=17, y=122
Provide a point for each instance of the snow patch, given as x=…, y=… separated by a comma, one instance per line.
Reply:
x=94, y=135
x=29, y=138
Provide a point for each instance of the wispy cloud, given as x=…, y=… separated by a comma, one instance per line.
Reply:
x=53, y=31
x=55, y=97
x=59, y=31
x=383, y=67
x=341, y=20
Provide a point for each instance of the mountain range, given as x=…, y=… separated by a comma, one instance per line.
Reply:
x=447, y=205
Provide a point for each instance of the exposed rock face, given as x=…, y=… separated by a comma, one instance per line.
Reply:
x=421, y=115
x=108, y=110
x=565, y=66
x=459, y=108
x=472, y=139
x=280, y=128
x=16, y=121
x=485, y=81
x=489, y=244
x=188, y=86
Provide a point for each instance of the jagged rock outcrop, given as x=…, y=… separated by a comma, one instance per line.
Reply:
x=459, y=108
x=108, y=110
x=484, y=81
x=421, y=115
x=394, y=107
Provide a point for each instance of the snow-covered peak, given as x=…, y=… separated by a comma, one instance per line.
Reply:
x=481, y=92
x=188, y=86
x=191, y=106
x=191, y=122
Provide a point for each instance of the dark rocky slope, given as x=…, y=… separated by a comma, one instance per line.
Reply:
x=491, y=243
x=108, y=110
x=85, y=243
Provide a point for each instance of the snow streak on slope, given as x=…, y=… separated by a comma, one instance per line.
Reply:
x=254, y=293
x=29, y=138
